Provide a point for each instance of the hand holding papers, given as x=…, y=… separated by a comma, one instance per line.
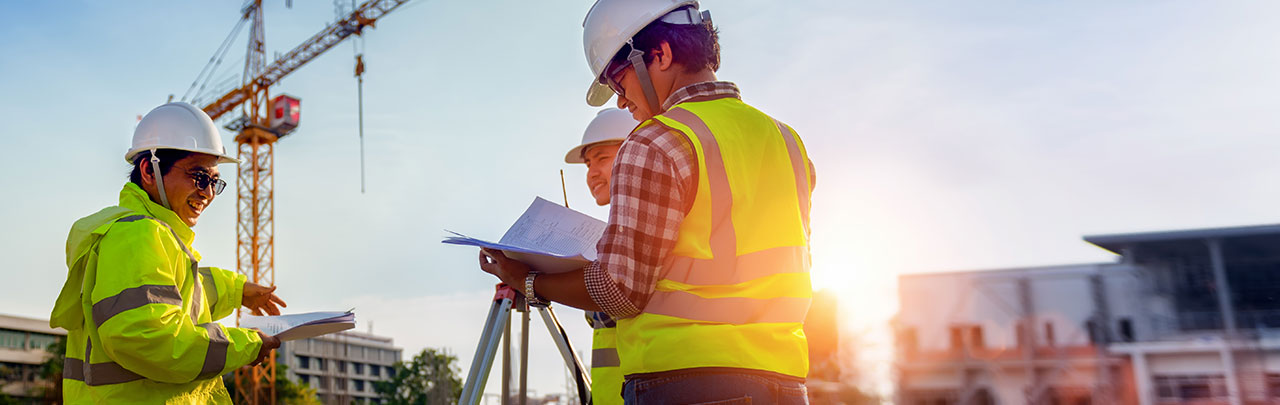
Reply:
x=300, y=326
x=550, y=238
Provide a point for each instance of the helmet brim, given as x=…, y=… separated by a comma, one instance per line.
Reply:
x=598, y=94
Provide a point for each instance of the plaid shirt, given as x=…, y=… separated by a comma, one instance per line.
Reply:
x=655, y=177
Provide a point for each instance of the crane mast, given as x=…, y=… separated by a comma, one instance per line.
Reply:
x=255, y=224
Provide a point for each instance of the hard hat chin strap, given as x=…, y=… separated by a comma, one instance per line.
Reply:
x=155, y=171
x=642, y=72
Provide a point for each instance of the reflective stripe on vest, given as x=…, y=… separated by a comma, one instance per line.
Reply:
x=736, y=289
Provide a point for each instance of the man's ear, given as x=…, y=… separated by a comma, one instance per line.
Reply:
x=144, y=168
x=662, y=57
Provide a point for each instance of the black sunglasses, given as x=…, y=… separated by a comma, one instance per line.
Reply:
x=204, y=180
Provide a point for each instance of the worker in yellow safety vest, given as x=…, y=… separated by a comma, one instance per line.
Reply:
x=705, y=259
x=599, y=146
x=138, y=309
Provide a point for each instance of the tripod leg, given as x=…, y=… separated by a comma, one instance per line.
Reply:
x=482, y=362
x=571, y=360
x=524, y=356
x=506, y=362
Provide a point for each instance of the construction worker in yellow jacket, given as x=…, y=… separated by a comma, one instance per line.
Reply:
x=139, y=310
x=599, y=146
x=705, y=259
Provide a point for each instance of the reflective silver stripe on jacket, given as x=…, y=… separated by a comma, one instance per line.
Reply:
x=607, y=357
x=215, y=358
x=96, y=374
x=135, y=297
x=206, y=280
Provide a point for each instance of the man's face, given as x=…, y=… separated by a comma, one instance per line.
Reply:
x=599, y=159
x=632, y=98
x=180, y=186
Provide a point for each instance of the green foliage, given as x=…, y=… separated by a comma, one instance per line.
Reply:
x=287, y=391
x=51, y=369
x=432, y=377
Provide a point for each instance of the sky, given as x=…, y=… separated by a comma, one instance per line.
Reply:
x=946, y=136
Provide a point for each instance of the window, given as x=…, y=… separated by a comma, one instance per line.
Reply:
x=12, y=339
x=304, y=362
x=340, y=384
x=324, y=382
x=342, y=366
x=1191, y=387
x=1049, y=339
x=305, y=379
x=41, y=341
x=1126, y=330
x=375, y=370
x=957, y=338
x=975, y=337
x=359, y=368
x=359, y=385
x=323, y=365
x=391, y=372
x=907, y=342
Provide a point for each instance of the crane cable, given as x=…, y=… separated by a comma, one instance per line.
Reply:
x=215, y=60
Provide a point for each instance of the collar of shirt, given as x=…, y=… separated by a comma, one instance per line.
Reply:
x=701, y=89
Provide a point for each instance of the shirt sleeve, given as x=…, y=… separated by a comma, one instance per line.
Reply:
x=139, y=316
x=650, y=182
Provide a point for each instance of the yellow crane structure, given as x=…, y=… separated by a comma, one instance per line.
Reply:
x=255, y=225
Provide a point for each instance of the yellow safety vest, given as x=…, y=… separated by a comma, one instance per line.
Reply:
x=606, y=376
x=140, y=313
x=735, y=288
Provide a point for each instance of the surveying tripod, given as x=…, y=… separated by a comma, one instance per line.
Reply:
x=496, y=327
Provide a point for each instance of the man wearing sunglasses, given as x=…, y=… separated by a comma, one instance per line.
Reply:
x=139, y=311
x=705, y=260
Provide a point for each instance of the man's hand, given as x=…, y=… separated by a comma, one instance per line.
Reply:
x=261, y=299
x=508, y=270
x=269, y=343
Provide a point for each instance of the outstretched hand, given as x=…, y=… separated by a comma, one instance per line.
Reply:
x=261, y=299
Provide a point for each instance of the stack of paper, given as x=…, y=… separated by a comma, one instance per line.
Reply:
x=549, y=237
x=300, y=326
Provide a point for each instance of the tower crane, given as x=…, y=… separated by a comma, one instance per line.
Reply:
x=259, y=130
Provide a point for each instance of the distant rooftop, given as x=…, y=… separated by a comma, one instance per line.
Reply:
x=1116, y=243
x=22, y=323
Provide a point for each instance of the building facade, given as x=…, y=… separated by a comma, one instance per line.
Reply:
x=22, y=351
x=341, y=366
x=1184, y=317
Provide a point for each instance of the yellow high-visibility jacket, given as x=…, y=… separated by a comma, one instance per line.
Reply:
x=139, y=312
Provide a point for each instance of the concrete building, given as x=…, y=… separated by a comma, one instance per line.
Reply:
x=1184, y=317
x=22, y=350
x=342, y=366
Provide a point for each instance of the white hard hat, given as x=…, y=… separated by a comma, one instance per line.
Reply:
x=179, y=126
x=609, y=125
x=611, y=23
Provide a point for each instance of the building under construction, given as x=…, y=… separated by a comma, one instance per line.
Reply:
x=1183, y=317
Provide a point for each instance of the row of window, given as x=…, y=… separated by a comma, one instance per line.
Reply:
x=322, y=364
x=907, y=339
x=338, y=383
x=352, y=351
x=23, y=340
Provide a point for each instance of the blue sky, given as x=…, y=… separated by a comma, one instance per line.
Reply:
x=946, y=136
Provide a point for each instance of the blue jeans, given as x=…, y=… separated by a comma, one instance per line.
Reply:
x=713, y=388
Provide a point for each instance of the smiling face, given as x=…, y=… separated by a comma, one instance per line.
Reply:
x=599, y=159
x=187, y=201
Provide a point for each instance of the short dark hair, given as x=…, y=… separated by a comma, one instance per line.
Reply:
x=695, y=46
x=167, y=158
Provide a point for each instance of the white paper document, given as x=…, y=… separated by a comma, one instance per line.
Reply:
x=548, y=237
x=300, y=326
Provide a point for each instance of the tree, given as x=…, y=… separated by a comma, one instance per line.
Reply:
x=51, y=369
x=430, y=378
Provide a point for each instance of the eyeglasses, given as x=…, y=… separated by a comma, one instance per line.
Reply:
x=612, y=75
x=204, y=180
